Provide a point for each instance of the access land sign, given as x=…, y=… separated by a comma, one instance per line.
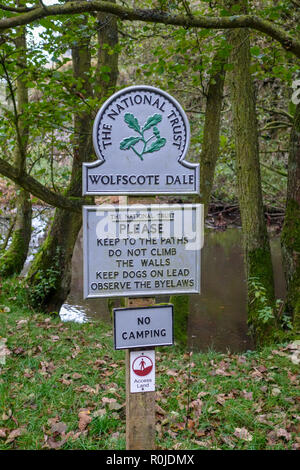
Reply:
x=141, y=137
x=142, y=250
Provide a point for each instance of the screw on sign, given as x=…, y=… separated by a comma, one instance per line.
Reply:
x=142, y=365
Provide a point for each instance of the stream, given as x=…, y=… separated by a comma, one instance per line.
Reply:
x=218, y=319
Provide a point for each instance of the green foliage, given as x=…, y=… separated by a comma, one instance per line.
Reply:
x=258, y=294
x=45, y=281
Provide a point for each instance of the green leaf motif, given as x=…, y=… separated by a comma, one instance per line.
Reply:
x=132, y=122
x=129, y=142
x=152, y=121
x=156, y=132
x=158, y=144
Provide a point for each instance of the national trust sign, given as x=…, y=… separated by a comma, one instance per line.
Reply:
x=141, y=137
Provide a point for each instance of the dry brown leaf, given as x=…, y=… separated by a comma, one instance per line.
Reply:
x=52, y=443
x=172, y=373
x=54, y=338
x=202, y=443
x=247, y=395
x=59, y=427
x=84, y=419
x=228, y=441
x=88, y=389
x=14, y=434
x=159, y=410
x=106, y=400
x=3, y=432
x=98, y=413
x=241, y=360
x=197, y=406
x=191, y=424
x=115, y=406
x=76, y=376
x=221, y=399
x=243, y=433
x=284, y=434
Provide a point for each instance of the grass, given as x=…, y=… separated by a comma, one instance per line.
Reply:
x=57, y=372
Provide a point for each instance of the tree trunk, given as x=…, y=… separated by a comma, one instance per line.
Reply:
x=259, y=272
x=208, y=160
x=49, y=277
x=12, y=261
x=290, y=237
x=211, y=132
x=107, y=56
x=181, y=304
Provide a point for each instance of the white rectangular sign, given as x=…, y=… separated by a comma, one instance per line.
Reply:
x=142, y=250
x=143, y=326
x=142, y=371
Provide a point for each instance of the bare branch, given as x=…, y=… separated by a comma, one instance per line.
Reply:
x=16, y=9
x=38, y=190
x=288, y=42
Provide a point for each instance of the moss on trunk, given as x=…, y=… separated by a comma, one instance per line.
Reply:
x=181, y=305
x=12, y=261
x=255, y=238
x=290, y=237
x=211, y=131
x=49, y=277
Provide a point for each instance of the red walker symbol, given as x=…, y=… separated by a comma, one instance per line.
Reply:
x=142, y=365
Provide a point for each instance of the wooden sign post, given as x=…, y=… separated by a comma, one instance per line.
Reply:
x=140, y=407
x=141, y=137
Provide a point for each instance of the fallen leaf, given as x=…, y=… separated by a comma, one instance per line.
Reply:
x=172, y=434
x=14, y=434
x=88, y=389
x=52, y=443
x=221, y=399
x=18, y=351
x=197, y=406
x=228, y=441
x=3, y=432
x=106, y=400
x=5, y=309
x=115, y=406
x=54, y=338
x=202, y=443
x=191, y=424
x=159, y=410
x=247, y=395
x=6, y=416
x=202, y=394
x=241, y=360
x=284, y=434
x=243, y=433
x=98, y=413
x=76, y=376
x=177, y=446
x=84, y=419
x=172, y=373
x=59, y=428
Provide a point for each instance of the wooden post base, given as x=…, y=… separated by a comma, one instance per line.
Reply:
x=140, y=407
